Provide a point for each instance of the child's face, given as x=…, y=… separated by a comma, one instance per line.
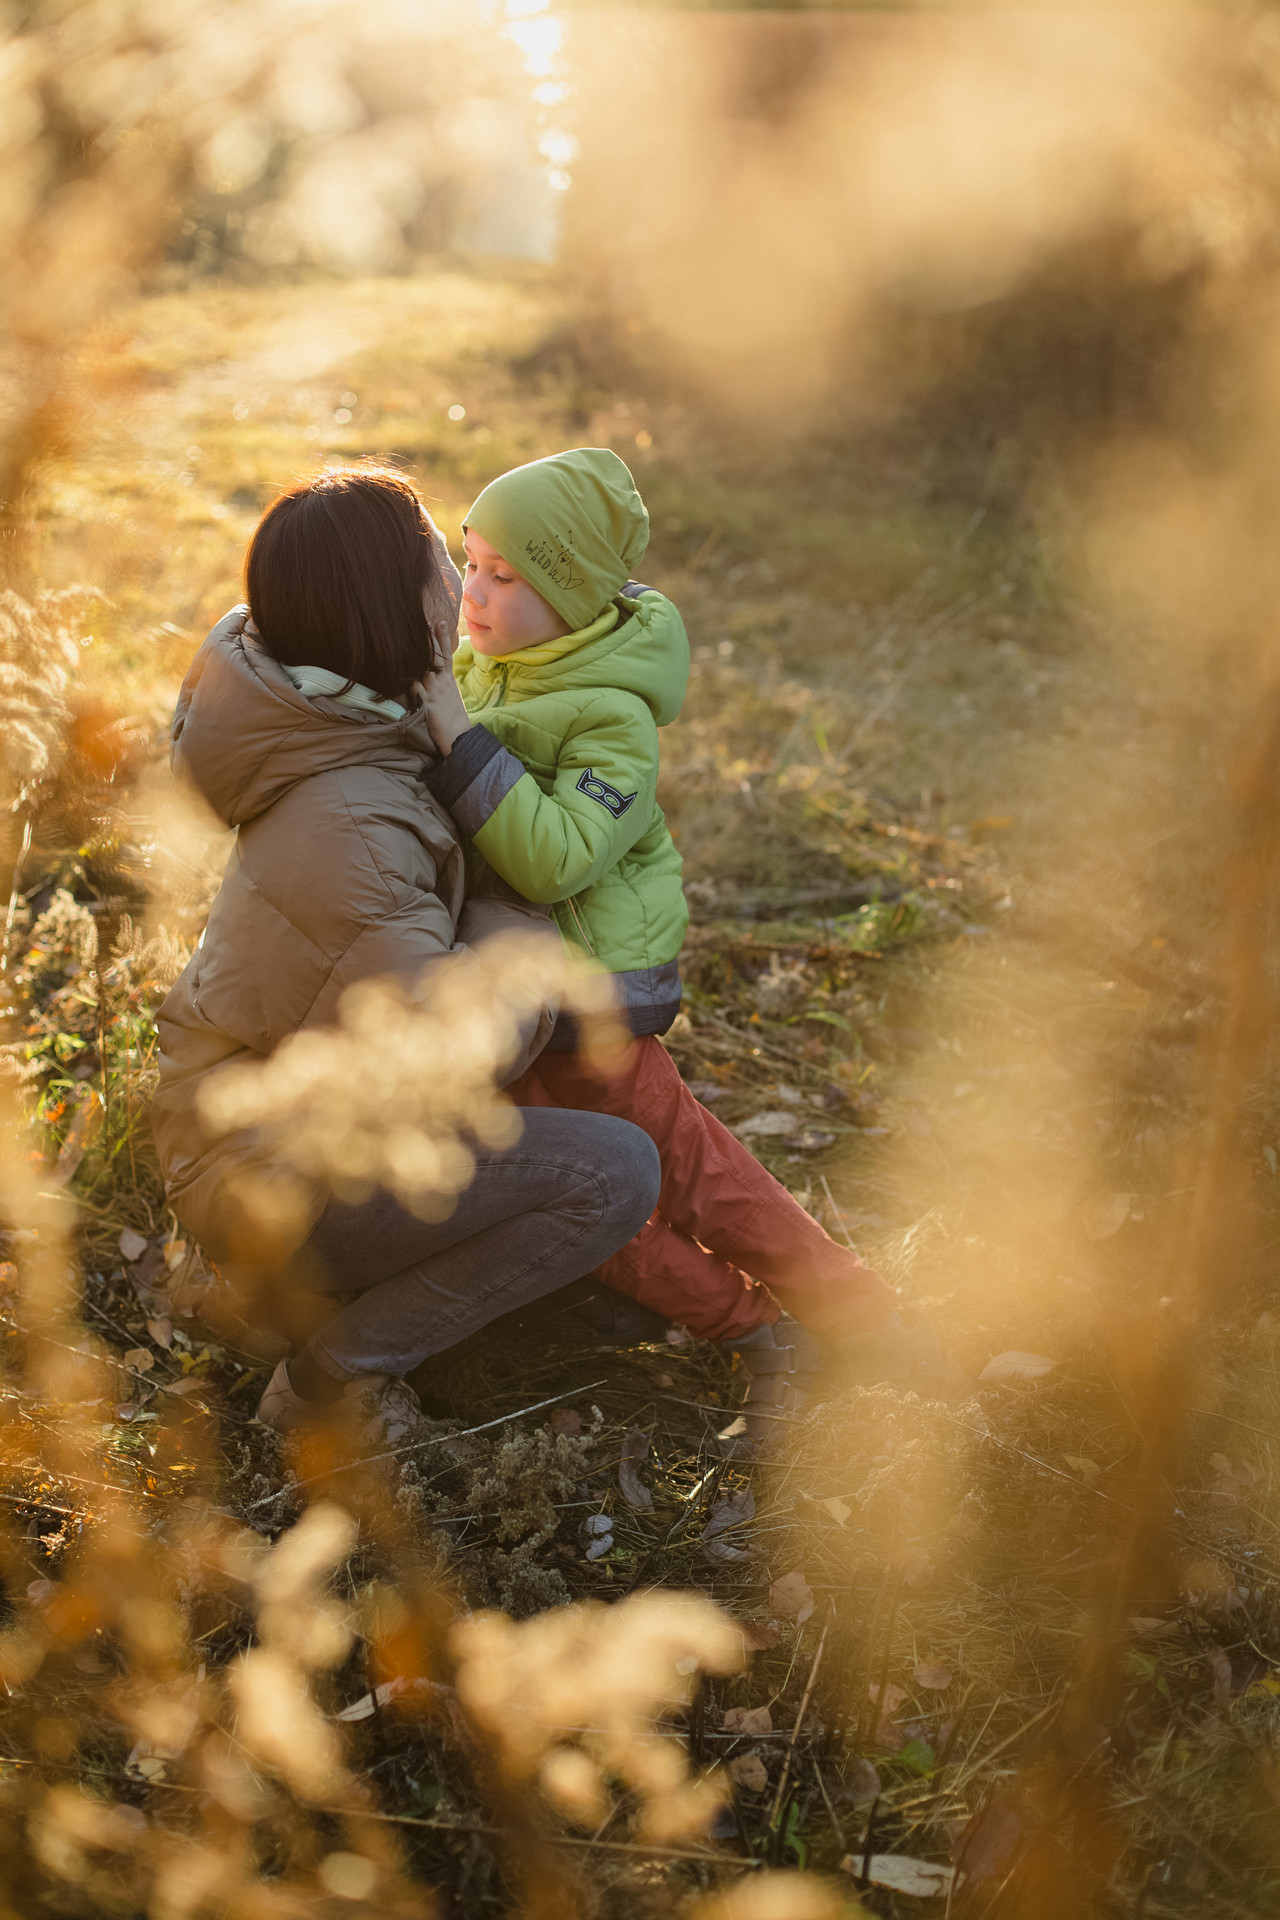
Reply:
x=502, y=611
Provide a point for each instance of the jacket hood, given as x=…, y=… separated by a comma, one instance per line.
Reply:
x=645, y=653
x=243, y=734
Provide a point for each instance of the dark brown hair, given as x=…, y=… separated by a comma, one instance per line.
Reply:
x=335, y=573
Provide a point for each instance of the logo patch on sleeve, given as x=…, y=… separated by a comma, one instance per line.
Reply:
x=608, y=796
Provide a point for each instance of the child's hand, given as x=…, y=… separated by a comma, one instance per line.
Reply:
x=442, y=704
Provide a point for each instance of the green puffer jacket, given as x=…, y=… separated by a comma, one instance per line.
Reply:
x=555, y=790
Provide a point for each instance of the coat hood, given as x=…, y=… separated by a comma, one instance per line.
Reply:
x=243, y=735
x=645, y=652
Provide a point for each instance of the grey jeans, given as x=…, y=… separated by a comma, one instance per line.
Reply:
x=574, y=1188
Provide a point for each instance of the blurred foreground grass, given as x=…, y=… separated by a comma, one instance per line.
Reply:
x=947, y=969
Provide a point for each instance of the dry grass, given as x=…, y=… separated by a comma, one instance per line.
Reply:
x=944, y=910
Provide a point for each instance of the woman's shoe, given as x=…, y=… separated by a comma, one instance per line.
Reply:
x=783, y=1363
x=280, y=1408
x=380, y=1412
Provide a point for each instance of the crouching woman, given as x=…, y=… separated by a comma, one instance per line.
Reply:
x=299, y=724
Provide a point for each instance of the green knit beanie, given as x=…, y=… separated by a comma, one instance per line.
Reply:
x=572, y=525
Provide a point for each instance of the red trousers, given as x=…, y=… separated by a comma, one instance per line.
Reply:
x=728, y=1245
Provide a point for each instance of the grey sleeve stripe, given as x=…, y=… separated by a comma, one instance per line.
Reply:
x=648, y=1001
x=471, y=751
x=486, y=792
x=649, y=988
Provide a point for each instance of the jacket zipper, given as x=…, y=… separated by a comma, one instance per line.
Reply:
x=577, y=920
x=500, y=675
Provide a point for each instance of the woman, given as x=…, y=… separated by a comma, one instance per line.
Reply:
x=301, y=728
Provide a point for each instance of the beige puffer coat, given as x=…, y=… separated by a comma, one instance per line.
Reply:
x=344, y=868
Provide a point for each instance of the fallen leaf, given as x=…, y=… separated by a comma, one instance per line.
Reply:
x=761, y=1124
x=733, y=1511
x=79, y=1137
x=924, y=1879
x=919, y=1756
x=175, y=1252
x=139, y=1359
x=748, y=1771
x=1087, y=1469
x=1220, y=1672
x=985, y=1844
x=8, y=1276
x=748, y=1720
x=665, y=1381
x=808, y=1140
x=861, y=1783
x=723, y=1825
x=757, y=1635
x=936, y=1679
x=635, y=1450
x=893, y=1697
x=1208, y=1583
x=148, y=1277
x=565, y=1420
x=132, y=1244
x=1008, y=1368
x=792, y=1598
x=1231, y=1481
x=597, y=1535
x=837, y=1508
x=1103, y=1214
x=917, y=1568
x=161, y=1332
x=913, y=1516
x=368, y=1704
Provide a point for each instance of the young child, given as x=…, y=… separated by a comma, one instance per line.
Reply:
x=549, y=740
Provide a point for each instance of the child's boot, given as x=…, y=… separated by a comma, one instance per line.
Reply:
x=906, y=1352
x=782, y=1362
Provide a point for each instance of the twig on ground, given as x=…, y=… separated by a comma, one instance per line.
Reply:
x=839, y=1217
x=864, y=1872
x=1008, y=1741
x=394, y=1453
x=11, y=912
x=878, y=1710
x=807, y=1695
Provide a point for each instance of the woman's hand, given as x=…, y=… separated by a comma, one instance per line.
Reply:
x=442, y=704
